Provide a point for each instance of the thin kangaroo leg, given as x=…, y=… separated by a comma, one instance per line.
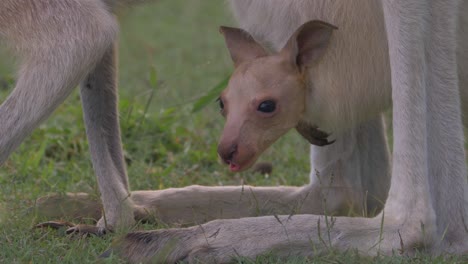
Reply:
x=51, y=66
x=99, y=97
x=429, y=183
x=57, y=52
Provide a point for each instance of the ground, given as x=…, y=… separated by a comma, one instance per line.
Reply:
x=171, y=54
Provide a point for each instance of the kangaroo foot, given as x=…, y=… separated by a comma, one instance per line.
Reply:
x=74, y=229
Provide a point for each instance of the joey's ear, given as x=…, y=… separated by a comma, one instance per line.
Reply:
x=241, y=45
x=308, y=43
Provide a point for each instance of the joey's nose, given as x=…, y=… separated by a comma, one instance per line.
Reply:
x=226, y=152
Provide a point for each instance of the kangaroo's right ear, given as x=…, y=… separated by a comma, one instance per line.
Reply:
x=308, y=43
x=241, y=45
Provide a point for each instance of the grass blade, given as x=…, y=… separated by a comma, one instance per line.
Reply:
x=203, y=101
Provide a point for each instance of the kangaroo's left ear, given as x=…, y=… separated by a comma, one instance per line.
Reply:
x=241, y=45
x=308, y=43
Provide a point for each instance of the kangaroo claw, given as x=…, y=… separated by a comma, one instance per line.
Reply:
x=86, y=230
x=72, y=229
x=54, y=224
x=313, y=134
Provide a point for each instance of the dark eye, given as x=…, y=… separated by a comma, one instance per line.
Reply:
x=267, y=106
x=221, y=104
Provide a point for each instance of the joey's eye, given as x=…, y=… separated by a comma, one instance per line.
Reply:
x=267, y=106
x=221, y=104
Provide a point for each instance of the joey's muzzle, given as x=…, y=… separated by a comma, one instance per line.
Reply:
x=227, y=152
x=239, y=155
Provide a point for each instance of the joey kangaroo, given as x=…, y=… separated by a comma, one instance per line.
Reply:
x=338, y=81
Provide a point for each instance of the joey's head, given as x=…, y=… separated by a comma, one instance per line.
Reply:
x=266, y=95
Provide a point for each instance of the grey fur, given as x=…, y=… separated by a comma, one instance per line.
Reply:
x=429, y=177
x=427, y=204
x=59, y=43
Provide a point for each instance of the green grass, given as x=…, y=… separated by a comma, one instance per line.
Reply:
x=166, y=145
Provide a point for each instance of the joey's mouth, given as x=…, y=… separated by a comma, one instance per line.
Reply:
x=234, y=167
x=237, y=166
